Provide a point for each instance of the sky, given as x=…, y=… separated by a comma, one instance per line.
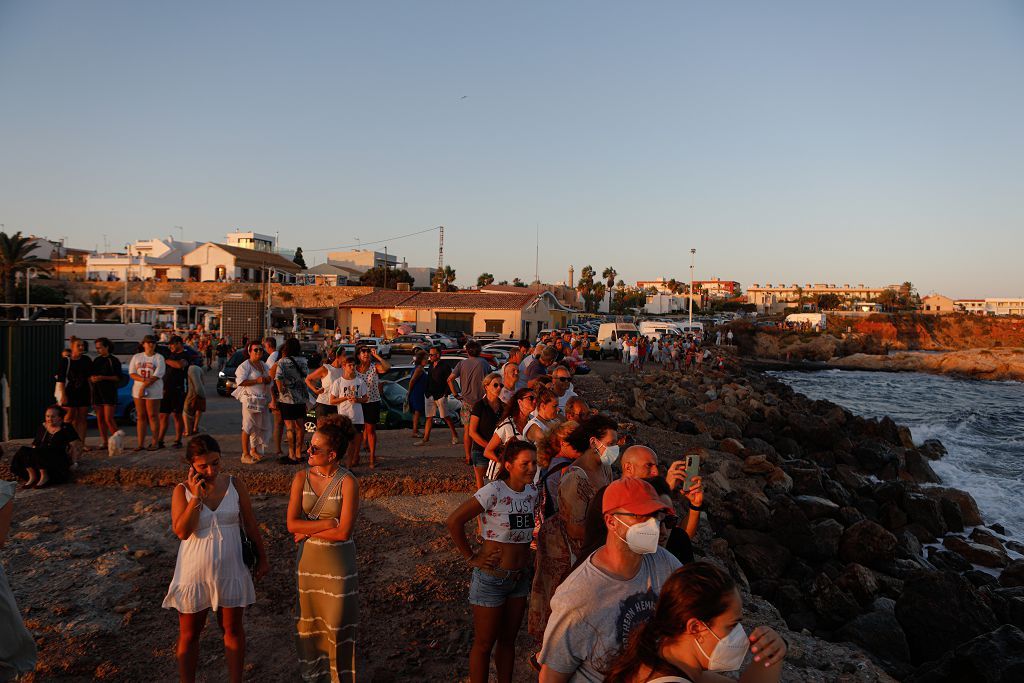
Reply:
x=804, y=142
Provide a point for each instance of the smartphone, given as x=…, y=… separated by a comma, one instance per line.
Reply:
x=202, y=480
x=692, y=470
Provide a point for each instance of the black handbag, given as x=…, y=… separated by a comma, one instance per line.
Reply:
x=250, y=555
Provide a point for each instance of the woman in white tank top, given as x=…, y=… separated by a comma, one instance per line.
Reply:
x=319, y=382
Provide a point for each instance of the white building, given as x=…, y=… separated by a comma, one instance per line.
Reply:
x=362, y=259
x=972, y=306
x=1004, y=306
x=330, y=275
x=423, y=278
x=661, y=304
x=155, y=259
x=212, y=262
x=251, y=240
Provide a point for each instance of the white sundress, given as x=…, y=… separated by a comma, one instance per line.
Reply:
x=210, y=572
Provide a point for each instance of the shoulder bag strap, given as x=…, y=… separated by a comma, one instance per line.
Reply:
x=328, y=492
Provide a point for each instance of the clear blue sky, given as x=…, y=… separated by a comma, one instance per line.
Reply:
x=866, y=141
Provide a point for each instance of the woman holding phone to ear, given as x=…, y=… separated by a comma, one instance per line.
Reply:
x=206, y=511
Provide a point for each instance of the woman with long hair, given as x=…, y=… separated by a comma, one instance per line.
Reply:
x=320, y=380
x=417, y=392
x=483, y=420
x=513, y=422
x=501, y=567
x=369, y=366
x=291, y=397
x=73, y=382
x=106, y=374
x=206, y=512
x=696, y=631
x=560, y=538
x=147, y=369
x=322, y=510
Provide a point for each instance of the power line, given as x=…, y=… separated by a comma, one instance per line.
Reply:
x=361, y=244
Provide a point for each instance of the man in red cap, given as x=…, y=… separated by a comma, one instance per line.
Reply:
x=613, y=590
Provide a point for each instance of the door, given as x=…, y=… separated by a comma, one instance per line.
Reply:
x=453, y=323
x=376, y=325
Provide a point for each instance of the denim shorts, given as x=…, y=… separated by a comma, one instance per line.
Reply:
x=477, y=457
x=487, y=590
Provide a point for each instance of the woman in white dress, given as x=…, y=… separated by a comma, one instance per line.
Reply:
x=147, y=370
x=252, y=389
x=206, y=511
x=17, y=649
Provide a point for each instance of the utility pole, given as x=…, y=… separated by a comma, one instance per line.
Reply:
x=536, y=256
x=385, y=266
x=127, y=267
x=440, y=258
x=693, y=253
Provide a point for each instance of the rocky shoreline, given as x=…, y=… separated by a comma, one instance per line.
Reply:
x=838, y=525
x=989, y=364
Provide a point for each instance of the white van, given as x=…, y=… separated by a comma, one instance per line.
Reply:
x=653, y=329
x=609, y=333
x=126, y=337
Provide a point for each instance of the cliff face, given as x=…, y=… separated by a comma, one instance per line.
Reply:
x=937, y=332
x=993, y=364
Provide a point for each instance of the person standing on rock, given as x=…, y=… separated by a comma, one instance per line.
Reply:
x=322, y=510
x=206, y=512
x=612, y=591
x=694, y=632
x=501, y=567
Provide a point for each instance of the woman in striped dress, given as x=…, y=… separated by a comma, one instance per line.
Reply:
x=322, y=514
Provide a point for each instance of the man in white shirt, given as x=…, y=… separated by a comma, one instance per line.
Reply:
x=612, y=591
x=561, y=385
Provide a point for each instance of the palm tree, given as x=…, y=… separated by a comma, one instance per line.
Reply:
x=15, y=256
x=586, y=285
x=449, y=277
x=609, y=277
x=101, y=298
x=484, y=279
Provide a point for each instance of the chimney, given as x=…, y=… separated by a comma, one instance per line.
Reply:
x=571, y=273
x=403, y=287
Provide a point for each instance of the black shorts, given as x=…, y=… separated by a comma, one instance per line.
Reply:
x=325, y=409
x=371, y=412
x=172, y=403
x=77, y=397
x=104, y=393
x=292, y=411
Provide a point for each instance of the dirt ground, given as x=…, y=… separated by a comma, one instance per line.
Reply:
x=90, y=563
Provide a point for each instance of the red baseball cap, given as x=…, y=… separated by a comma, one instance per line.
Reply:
x=632, y=495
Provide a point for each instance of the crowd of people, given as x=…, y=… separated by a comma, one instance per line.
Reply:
x=573, y=527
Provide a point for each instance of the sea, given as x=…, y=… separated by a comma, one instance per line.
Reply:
x=980, y=423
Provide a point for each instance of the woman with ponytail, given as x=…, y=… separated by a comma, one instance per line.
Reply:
x=696, y=631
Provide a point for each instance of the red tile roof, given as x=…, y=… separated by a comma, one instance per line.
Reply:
x=435, y=300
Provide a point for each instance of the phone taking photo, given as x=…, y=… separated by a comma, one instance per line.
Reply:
x=692, y=470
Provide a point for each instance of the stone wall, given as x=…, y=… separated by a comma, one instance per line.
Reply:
x=212, y=293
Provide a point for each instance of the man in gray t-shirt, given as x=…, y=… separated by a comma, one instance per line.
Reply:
x=470, y=372
x=597, y=606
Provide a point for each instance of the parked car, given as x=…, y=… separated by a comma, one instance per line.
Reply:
x=443, y=341
x=226, y=377
x=125, y=408
x=383, y=347
x=396, y=373
x=411, y=343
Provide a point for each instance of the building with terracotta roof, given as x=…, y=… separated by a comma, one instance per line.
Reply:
x=212, y=262
x=509, y=314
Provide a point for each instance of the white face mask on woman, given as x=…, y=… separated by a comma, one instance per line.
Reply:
x=609, y=455
x=728, y=653
x=642, y=538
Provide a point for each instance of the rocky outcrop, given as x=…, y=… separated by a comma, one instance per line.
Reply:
x=991, y=364
x=825, y=514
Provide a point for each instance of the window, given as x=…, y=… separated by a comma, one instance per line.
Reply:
x=494, y=326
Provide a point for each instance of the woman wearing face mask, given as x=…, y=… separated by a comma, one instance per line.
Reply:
x=545, y=417
x=696, y=631
x=206, y=512
x=560, y=538
x=501, y=567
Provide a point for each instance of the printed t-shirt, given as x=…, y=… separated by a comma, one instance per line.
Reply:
x=508, y=514
x=593, y=613
x=348, y=388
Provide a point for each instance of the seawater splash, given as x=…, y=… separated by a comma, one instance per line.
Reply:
x=980, y=423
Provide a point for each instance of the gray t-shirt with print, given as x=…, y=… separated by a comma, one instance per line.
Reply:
x=593, y=613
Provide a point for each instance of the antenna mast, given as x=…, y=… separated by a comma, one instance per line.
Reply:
x=536, y=258
x=440, y=257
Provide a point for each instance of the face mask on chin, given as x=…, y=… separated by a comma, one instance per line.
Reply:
x=642, y=538
x=728, y=653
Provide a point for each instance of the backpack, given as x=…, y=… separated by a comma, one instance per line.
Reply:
x=547, y=502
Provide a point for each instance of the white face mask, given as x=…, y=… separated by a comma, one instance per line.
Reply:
x=610, y=454
x=642, y=538
x=728, y=652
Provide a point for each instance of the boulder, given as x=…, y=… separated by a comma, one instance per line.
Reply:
x=880, y=633
x=850, y=478
x=757, y=464
x=877, y=456
x=996, y=657
x=952, y=515
x=1013, y=575
x=947, y=560
x=932, y=449
x=939, y=611
x=966, y=502
x=986, y=537
x=858, y=581
x=976, y=553
x=919, y=468
x=747, y=509
x=767, y=560
x=1007, y=603
x=731, y=446
x=778, y=481
x=980, y=578
x=833, y=605
x=925, y=511
x=869, y=544
x=826, y=535
x=815, y=507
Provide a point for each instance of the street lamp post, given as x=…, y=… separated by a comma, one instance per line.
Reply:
x=127, y=267
x=28, y=291
x=690, y=297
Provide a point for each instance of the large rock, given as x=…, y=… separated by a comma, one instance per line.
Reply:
x=996, y=657
x=1013, y=575
x=816, y=507
x=919, y=467
x=880, y=634
x=860, y=582
x=878, y=456
x=932, y=449
x=766, y=560
x=976, y=553
x=833, y=605
x=869, y=544
x=968, y=506
x=925, y=511
x=939, y=611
